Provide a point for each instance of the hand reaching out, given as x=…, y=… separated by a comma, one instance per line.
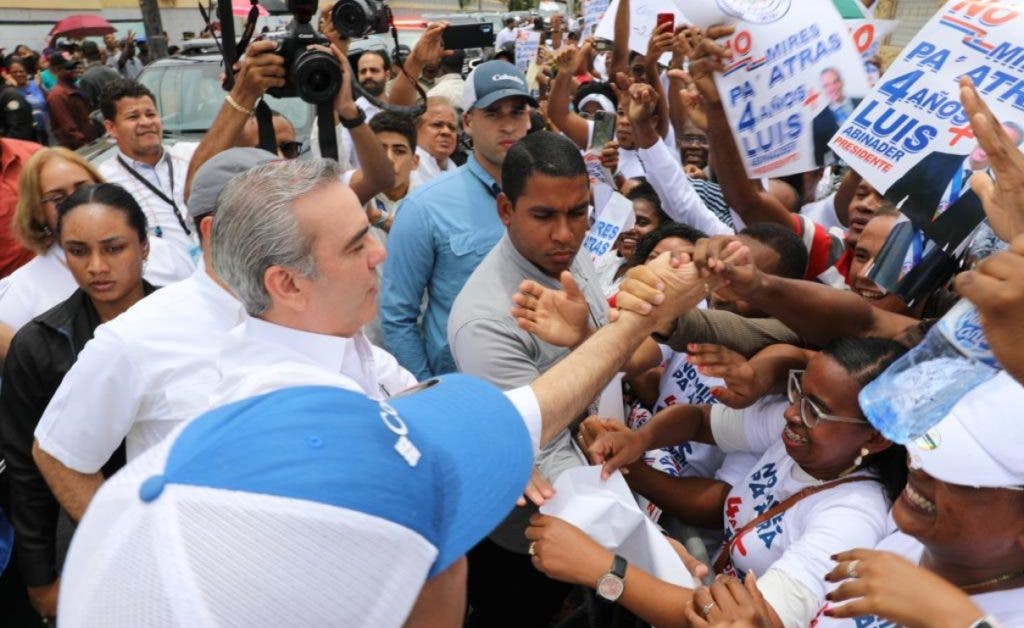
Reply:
x=558, y=317
x=564, y=552
x=661, y=41
x=728, y=600
x=742, y=385
x=1003, y=199
x=643, y=100
x=889, y=586
x=615, y=449
x=706, y=59
x=537, y=491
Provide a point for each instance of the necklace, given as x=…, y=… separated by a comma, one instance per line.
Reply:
x=991, y=581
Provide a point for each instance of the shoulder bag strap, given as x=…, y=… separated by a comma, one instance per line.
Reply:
x=725, y=556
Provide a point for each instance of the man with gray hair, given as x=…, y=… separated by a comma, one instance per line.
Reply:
x=148, y=369
x=294, y=244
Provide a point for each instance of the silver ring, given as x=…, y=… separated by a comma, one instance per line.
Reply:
x=530, y=550
x=851, y=569
x=707, y=608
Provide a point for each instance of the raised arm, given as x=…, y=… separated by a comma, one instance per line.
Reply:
x=559, y=112
x=428, y=49
x=661, y=41
x=620, y=43
x=746, y=197
x=376, y=174
x=258, y=71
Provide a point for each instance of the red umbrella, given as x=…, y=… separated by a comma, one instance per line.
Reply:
x=84, y=25
x=241, y=8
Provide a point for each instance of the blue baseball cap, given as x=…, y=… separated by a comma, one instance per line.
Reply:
x=310, y=505
x=491, y=81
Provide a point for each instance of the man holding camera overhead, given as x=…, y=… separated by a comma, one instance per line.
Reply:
x=448, y=225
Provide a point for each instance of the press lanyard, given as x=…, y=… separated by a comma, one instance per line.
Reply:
x=160, y=193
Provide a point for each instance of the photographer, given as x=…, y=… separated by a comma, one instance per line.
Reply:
x=262, y=69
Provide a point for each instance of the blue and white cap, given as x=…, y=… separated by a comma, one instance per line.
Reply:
x=305, y=506
x=978, y=443
x=490, y=82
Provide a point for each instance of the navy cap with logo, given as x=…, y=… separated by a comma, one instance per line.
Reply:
x=490, y=82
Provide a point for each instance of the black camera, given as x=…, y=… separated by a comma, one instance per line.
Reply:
x=358, y=18
x=313, y=75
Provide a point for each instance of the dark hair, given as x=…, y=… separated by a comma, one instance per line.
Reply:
x=549, y=153
x=111, y=195
x=452, y=63
x=383, y=54
x=90, y=50
x=396, y=123
x=537, y=122
x=116, y=90
x=666, y=230
x=788, y=245
x=864, y=359
x=595, y=87
x=646, y=192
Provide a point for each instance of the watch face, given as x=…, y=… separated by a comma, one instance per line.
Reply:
x=610, y=587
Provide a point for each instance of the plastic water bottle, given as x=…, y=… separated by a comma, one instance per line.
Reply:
x=920, y=388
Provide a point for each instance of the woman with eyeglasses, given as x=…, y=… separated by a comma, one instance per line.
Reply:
x=823, y=484
x=49, y=177
x=102, y=231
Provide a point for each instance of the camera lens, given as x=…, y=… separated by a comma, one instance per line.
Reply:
x=351, y=18
x=317, y=76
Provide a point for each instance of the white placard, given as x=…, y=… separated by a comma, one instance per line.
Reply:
x=793, y=78
x=527, y=46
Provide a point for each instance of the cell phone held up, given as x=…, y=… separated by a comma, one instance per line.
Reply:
x=604, y=128
x=461, y=36
x=666, y=17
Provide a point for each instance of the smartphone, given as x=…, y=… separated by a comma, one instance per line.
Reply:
x=666, y=17
x=460, y=36
x=604, y=129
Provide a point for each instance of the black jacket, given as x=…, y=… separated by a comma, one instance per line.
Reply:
x=41, y=353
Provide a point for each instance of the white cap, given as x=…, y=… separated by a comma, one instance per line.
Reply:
x=979, y=442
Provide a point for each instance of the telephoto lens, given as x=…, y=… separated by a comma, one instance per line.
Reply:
x=358, y=18
x=317, y=76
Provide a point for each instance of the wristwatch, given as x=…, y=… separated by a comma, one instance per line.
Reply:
x=985, y=622
x=356, y=121
x=611, y=585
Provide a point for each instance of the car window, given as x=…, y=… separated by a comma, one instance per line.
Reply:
x=189, y=96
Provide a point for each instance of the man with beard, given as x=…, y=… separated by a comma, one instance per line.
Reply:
x=372, y=73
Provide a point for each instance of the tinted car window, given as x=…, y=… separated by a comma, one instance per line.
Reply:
x=189, y=96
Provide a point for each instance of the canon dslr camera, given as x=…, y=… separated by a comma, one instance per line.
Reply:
x=313, y=75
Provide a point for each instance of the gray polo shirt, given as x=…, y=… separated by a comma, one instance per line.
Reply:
x=486, y=342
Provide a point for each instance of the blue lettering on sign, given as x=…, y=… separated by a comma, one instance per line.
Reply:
x=768, y=530
x=903, y=130
x=929, y=55
x=870, y=621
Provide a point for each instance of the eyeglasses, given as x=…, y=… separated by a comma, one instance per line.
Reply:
x=810, y=412
x=290, y=149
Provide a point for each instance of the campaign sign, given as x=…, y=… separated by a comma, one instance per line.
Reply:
x=593, y=13
x=527, y=46
x=794, y=77
x=615, y=217
x=642, y=17
x=910, y=137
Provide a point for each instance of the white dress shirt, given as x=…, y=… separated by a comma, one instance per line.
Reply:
x=46, y=281
x=428, y=168
x=168, y=176
x=258, y=357
x=141, y=374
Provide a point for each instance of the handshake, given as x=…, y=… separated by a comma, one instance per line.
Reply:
x=655, y=294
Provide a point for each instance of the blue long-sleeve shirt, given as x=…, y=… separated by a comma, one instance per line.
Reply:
x=444, y=230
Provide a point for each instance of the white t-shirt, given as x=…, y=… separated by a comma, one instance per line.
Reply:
x=629, y=164
x=823, y=212
x=1006, y=606
x=141, y=374
x=797, y=543
x=428, y=168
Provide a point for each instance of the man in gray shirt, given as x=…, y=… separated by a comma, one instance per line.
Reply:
x=544, y=207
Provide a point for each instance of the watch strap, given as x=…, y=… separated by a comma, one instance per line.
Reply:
x=356, y=121
x=618, y=568
x=985, y=622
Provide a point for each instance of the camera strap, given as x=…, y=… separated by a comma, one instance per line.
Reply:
x=325, y=126
x=265, y=125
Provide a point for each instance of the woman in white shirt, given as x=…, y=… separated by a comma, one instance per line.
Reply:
x=845, y=470
x=49, y=176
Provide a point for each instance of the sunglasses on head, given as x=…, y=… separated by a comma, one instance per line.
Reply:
x=289, y=149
